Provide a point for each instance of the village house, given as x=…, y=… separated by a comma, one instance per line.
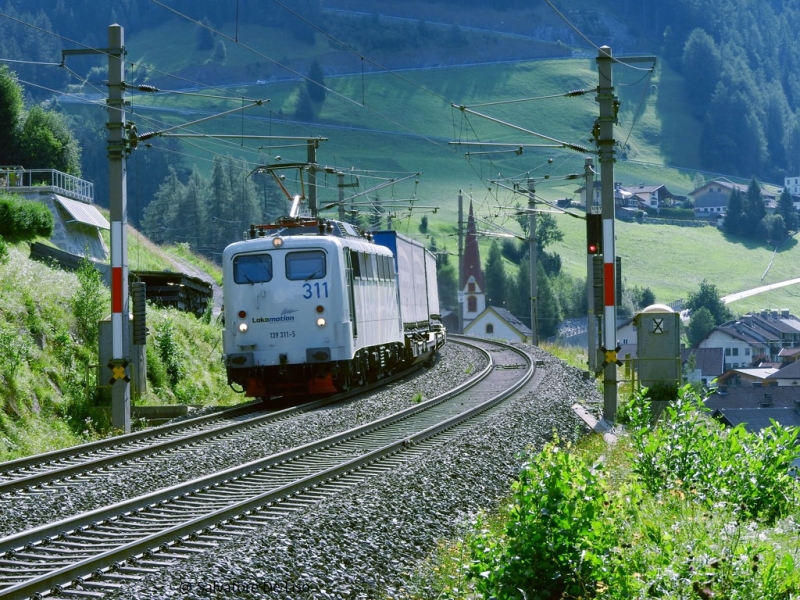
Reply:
x=754, y=396
x=636, y=196
x=711, y=198
x=787, y=375
x=755, y=406
x=789, y=355
x=628, y=200
x=792, y=185
x=648, y=196
x=738, y=344
x=702, y=365
x=756, y=339
x=746, y=377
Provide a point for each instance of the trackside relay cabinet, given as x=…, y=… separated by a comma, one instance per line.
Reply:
x=658, y=349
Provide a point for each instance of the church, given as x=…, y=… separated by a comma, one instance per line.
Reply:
x=478, y=319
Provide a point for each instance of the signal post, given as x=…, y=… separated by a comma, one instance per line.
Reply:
x=604, y=137
x=118, y=148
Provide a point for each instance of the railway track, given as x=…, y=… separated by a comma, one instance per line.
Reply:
x=64, y=466
x=97, y=552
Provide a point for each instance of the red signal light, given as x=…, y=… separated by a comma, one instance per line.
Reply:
x=594, y=233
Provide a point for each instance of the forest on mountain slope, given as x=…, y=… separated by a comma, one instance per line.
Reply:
x=738, y=57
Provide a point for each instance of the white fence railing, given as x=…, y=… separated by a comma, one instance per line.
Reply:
x=13, y=178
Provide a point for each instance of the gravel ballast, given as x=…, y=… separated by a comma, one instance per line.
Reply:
x=365, y=542
x=18, y=512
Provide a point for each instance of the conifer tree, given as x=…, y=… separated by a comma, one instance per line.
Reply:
x=734, y=212
x=192, y=208
x=787, y=210
x=754, y=209
x=548, y=306
x=315, y=84
x=519, y=294
x=161, y=214
x=495, y=277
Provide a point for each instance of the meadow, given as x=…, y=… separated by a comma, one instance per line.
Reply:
x=379, y=127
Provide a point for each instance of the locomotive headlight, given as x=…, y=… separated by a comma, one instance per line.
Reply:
x=242, y=327
x=277, y=242
x=321, y=322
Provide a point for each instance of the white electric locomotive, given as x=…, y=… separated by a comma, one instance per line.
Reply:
x=313, y=306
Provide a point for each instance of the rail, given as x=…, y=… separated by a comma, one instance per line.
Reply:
x=39, y=470
x=82, y=552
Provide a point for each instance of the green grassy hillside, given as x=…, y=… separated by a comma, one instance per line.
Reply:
x=672, y=261
x=48, y=393
x=404, y=122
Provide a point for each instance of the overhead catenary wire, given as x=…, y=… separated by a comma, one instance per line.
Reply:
x=148, y=89
x=357, y=53
x=237, y=40
x=85, y=81
x=30, y=62
x=200, y=24
x=296, y=73
x=85, y=46
x=570, y=94
x=566, y=145
x=590, y=42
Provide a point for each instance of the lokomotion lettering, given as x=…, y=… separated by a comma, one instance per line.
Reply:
x=281, y=319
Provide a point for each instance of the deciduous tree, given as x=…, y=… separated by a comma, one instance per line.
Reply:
x=700, y=325
x=708, y=297
x=11, y=106
x=45, y=142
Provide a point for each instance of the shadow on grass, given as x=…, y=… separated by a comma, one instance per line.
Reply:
x=788, y=244
x=752, y=244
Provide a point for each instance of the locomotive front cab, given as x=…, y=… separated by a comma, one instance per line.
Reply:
x=283, y=316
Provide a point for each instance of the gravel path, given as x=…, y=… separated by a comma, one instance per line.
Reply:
x=19, y=512
x=364, y=542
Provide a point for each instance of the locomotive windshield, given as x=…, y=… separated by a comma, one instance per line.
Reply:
x=305, y=265
x=252, y=268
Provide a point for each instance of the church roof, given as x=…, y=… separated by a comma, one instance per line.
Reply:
x=509, y=318
x=471, y=266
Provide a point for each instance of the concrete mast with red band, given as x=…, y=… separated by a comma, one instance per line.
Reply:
x=605, y=150
x=609, y=285
x=604, y=127
x=118, y=200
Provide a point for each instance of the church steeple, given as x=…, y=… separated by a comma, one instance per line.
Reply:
x=472, y=256
x=472, y=287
